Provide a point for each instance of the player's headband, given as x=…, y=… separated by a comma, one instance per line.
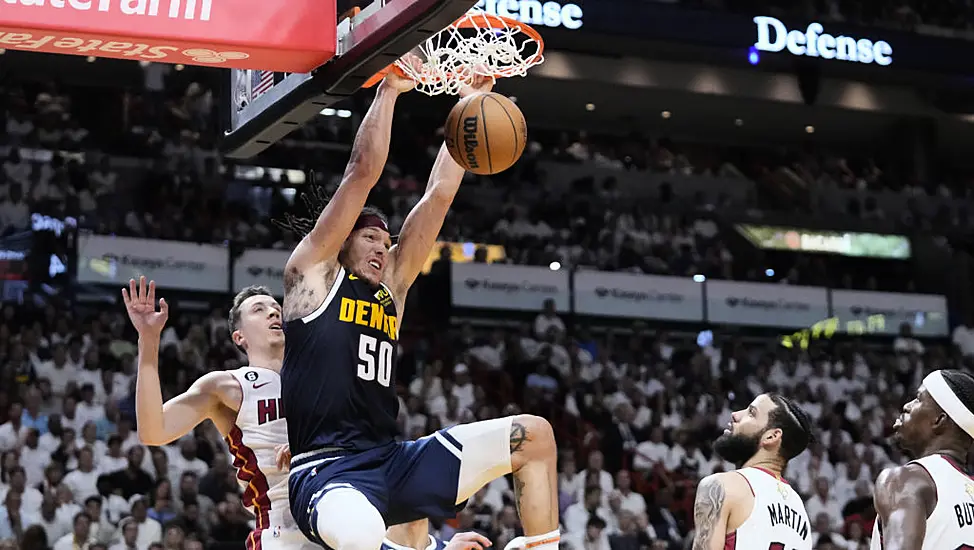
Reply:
x=945, y=397
x=370, y=220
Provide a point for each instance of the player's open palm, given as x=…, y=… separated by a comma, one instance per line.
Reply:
x=468, y=541
x=140, y=302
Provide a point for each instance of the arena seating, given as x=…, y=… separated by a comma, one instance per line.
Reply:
x=634, y=410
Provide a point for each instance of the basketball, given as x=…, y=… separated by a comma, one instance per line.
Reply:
x=486, y=133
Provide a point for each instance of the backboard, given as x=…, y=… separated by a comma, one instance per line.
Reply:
x=265, y=106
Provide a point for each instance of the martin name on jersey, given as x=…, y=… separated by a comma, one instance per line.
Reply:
x=778, y=520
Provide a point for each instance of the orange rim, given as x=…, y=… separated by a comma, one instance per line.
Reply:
x=470, y=22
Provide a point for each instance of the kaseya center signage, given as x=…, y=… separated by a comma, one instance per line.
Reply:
x=774, y=36
x=535, y=12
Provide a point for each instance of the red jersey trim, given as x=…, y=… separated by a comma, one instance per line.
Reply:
x=255, y=492
x=730, y=541
x=772, y=474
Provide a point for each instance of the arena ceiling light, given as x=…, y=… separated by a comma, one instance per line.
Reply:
x=589, y=107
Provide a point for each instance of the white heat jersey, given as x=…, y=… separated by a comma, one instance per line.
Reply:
x=778, y=520
x=951, y=524
x=256, y=434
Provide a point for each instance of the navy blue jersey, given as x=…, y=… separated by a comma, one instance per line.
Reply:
x=434, y=544
x=338, y=380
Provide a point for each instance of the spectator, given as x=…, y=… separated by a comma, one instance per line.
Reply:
x=80, y=536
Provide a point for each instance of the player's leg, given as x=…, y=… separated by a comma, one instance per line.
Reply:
x=433, y=475
x=329, y=500
x=525, y=446
x=346, y=520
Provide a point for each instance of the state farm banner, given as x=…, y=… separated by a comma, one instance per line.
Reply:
x=638, y=296
x=883, y=312
x=766, y=304
x=172, y=264
x=261, y=267
x=244, y=34
x=508, y=287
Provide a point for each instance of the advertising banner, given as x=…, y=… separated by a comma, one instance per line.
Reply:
x=172, y=264
x=638, y=296
x=862, y=312
x=765, y=304
x=508, y=287
x=261, y=267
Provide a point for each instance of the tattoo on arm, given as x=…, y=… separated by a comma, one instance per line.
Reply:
x=519, y=436
x=706, y=511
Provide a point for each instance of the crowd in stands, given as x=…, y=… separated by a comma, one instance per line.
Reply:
x=635, y=414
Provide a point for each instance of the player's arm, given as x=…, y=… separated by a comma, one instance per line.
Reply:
x=160, y=423
x=904, y=498
x=423, y=224
x=711, y=509
x=369, y=153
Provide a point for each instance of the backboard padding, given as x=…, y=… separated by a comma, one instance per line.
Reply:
x=374, y=43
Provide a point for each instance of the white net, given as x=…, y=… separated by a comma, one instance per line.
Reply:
x=475, y=45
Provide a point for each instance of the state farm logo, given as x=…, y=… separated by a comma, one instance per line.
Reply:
x=212, y=57
x=639, y=296
x=148, y=52
x=173, y=9
x=511, y=287
x=771, y=304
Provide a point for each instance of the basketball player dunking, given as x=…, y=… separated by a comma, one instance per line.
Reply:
x=928, y=503
x=753, y=508
x=345, y=287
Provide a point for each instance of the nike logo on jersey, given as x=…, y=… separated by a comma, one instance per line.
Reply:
x=259, y=386
x=352, y=278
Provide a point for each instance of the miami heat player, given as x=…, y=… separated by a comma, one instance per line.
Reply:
x=928, y=503
x=244, y=404
x=753, y=508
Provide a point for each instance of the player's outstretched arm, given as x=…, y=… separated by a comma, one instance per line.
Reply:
x=159, y=424
x=369, y=154
x=904, y=498
x=711, y=508
x=423, y=224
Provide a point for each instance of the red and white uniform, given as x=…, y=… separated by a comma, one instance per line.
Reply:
x=778, y=520
x=259, y=430
x=951, y=524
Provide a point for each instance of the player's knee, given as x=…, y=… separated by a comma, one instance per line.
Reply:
x=348, y=521
x=532, y=439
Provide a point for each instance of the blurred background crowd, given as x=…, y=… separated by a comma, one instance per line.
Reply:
x=130, y=150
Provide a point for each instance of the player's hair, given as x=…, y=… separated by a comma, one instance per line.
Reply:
x=795, y=426
x=962, y=384
x=315, y=200
x=238, y=300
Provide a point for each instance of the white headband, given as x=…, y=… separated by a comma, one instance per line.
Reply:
x=945, y=397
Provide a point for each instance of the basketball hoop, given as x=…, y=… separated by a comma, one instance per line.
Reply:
x=477, y=44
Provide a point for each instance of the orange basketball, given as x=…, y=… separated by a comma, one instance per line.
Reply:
x=486, y=133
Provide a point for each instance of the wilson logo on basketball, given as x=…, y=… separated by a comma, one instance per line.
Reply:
x=470, y=142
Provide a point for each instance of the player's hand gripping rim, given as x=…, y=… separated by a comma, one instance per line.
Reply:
x=468, y=541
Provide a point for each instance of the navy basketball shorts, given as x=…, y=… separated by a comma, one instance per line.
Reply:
x=431, y=477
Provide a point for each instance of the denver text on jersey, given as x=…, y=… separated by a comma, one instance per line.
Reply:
x=534, y=12
x=814, y=42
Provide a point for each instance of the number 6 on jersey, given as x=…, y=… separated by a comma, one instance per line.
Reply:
x=368, y=357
